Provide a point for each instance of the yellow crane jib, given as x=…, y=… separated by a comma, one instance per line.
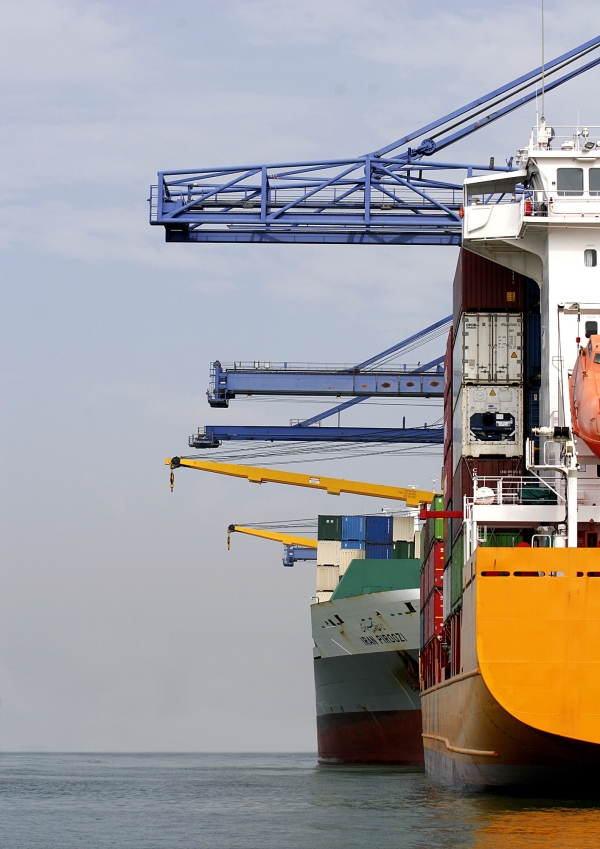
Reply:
x=334, y=486
x=286, y=539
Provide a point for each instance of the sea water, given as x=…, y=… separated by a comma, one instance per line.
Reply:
x=272, y=801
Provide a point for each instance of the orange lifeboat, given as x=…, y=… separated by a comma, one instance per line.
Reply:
x=584, y=388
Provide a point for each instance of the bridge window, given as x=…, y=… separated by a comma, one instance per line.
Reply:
x=569, y=181
x=590, y=257
x=595, y=181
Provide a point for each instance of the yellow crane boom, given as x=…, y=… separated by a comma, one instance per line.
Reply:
x=286, y=539
x=334, y=486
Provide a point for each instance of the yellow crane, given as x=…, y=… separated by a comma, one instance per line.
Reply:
x=334, y=486
x=286, y=539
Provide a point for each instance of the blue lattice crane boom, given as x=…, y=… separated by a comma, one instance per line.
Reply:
x=389, y=196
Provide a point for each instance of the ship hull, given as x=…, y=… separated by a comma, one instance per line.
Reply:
x=368, y=711
x=504, y=752
x=367, y=680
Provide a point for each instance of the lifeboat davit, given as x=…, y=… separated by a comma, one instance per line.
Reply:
x=584, y=389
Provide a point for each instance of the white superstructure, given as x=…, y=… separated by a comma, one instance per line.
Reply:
x=543, y=220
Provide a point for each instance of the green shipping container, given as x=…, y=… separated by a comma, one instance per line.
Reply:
x=502, y=540
x=404, y=550
x=537, y=495
x=330, y=528
x=436, y=530
x=457, y=571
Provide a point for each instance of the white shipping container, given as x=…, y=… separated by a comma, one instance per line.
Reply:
x=328, y=552
x=323, y=596
x=403, y=529
x=417, y=545
x=488, y=420
x=349, y=554
x=328, y=577
x=488, y=349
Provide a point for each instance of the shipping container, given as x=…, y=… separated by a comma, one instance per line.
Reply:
x=433, y=616
x=418, y=544
x=379, y=529
x=354, y=528
x=501, y=539
x=447, y=478
x=353, y=544
x=404, y=550
x=488, y=420
x=328, y=553
x=533, y=349
x=480, y=284
x=328, y=577
x=433, y=571
x=488, y=349
x=347, y=555
x=323, y=595
x=330, y=528
x=447, y=592
x=379, y=551
x=403, y=528
x=457, y=571
x=448, y=364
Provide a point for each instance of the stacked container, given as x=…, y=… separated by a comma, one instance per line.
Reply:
x=379, y=538
x=487, y=400
x=342, y=539
x=329, y=547
x=432, y=567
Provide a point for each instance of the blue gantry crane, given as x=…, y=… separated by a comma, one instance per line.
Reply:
x=398, y=194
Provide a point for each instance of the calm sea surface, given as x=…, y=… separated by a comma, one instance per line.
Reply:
x=263, y=801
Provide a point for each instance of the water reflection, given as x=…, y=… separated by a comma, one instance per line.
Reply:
x=535, y=828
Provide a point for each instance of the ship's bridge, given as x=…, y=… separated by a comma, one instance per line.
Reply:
x=557, y=183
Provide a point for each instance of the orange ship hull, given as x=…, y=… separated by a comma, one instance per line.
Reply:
x=525, y=707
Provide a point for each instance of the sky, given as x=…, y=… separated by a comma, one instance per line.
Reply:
x=125, y=623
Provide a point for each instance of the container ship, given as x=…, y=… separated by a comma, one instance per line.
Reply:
x=470, y=644
x=510, y=690
x=365, y=627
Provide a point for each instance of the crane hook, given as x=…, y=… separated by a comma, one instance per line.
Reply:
x=172, y=480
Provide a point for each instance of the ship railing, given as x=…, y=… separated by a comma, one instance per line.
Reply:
x=504, y=490
x=344, y=368
x=538, y=203
x=508, y=492
x=567, y=137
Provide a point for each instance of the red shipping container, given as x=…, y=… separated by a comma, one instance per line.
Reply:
x=447, y=482
x=448, y=364
x=422, y=588
x=481, y=285
x=439, y=558
x=433, y=616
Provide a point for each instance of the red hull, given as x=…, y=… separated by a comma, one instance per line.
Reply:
x=382, y=737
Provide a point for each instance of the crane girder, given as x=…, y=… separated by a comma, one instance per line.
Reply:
x=211, y=436
x=333, y=486
x=395, y=195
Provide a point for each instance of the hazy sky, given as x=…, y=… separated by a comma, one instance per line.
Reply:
x=124, y=622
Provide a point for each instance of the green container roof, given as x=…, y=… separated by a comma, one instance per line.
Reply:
x=378, y=576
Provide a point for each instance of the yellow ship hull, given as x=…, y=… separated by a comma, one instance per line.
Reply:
x=524, y=707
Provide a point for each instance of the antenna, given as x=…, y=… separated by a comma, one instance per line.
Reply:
x=543, y=68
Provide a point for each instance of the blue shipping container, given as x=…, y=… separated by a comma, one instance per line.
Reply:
x=376, y=551
x=533, y=349
x=353, y=543
x=354, y=527
x=379, y=529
